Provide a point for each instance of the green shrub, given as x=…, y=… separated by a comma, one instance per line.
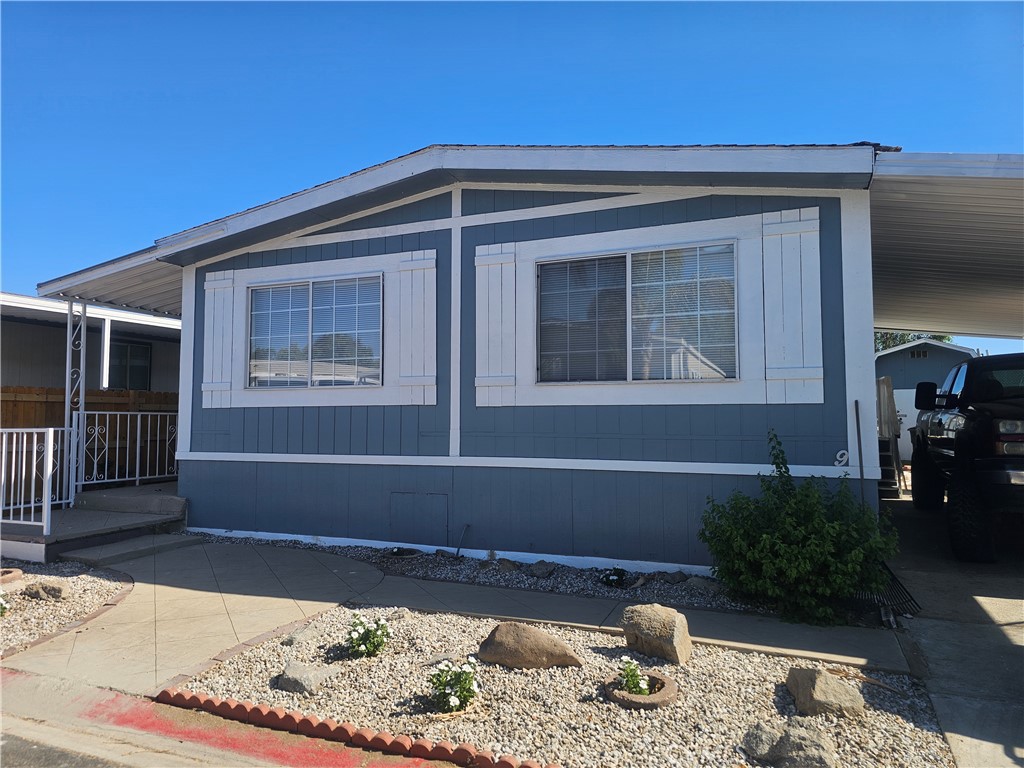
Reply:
x=802, y=548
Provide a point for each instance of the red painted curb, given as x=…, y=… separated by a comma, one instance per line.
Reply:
x=442, y=751
x=400, y=746
x=421, y=748
x=276, y=718
x=363, y=737
x=463, y=754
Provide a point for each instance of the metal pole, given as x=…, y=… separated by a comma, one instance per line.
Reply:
x=83, y=367
x=860, y=448
x=105, y=363
x=138, y=445
x=47, y=480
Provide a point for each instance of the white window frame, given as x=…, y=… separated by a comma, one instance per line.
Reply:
x=408, y=329
x=309, y=331
x=748, y=387
x=629, y=253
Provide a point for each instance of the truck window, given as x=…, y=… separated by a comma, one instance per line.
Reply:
x=944, y=389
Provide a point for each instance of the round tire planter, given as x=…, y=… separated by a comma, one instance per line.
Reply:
x=664, y=691
x=7, y=575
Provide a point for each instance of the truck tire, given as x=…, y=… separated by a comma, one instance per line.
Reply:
x=927, y=485
x=971, y=525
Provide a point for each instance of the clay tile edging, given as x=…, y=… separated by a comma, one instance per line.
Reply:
x=265, y=716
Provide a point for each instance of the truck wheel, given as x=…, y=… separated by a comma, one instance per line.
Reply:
x=971, y=529
x=927, y=485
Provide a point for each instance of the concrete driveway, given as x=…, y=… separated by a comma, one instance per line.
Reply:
x=969, y=636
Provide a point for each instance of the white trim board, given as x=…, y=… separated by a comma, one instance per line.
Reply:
x=511, y=462
x=635, y=195
x=574, y=561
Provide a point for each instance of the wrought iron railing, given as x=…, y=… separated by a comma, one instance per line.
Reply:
x=125, y=447
x=33, y=474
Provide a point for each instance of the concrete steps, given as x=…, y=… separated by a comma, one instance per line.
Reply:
x=129, y=549
x=98, y=518
x=142, y=499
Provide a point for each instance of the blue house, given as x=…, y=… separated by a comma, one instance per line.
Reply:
x=550, y=351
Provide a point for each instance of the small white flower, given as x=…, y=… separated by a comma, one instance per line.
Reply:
x=475, y=687
x=362, y=647
x=472, y=659
x=353, y=634
x=454, y=701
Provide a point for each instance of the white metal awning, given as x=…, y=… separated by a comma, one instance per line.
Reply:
x=947, y=229
x=947, y=237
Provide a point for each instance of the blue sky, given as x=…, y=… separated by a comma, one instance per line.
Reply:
x=126, y=122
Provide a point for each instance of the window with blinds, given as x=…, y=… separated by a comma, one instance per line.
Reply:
x=318, y=334
x=681, y=309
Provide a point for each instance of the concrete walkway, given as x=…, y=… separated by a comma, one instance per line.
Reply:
x=969, y=637
x=190, y=604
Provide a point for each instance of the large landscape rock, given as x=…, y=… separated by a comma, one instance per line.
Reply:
x=819, y=693
x=655, y=630
x=520, y=646
x=542, y=569
x=760, y=740
x=299, y=678
x=804, y=744
x=46, y=590
x=801, y=744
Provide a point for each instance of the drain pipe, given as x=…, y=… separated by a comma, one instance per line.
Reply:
x=462, y=538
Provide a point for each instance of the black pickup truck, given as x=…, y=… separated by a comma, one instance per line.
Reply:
x=969, y=441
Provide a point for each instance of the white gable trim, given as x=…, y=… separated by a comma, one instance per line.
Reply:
x=932, y=342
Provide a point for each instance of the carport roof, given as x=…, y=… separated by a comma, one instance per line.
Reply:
x=947, y=229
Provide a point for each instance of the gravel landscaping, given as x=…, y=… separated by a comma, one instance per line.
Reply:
x=28, y=619
x=674, y=588
x=561, y=715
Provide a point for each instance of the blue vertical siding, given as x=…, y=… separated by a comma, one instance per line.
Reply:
x=428, y=209
x=620, y=515
x=812, y=433
x=398, y=430
x=476, y=201
x=906, y=372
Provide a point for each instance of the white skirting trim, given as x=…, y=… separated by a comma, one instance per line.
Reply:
x=638, y=566
x=510, y=462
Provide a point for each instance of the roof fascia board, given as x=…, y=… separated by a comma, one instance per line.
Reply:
x=949, y=165
x=800, y=161
x=59, y=307
x=846, y=160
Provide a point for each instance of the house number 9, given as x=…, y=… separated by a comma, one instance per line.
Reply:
x=842, y=458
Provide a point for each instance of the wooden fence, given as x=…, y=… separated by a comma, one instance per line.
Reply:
x=38, y=407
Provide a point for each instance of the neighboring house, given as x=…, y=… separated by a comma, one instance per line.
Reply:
x=908, y=364
x=124, y=351
x=548, y=350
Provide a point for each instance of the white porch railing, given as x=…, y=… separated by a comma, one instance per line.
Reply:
x=116, y=446
x=43, y=468
x=33, y=475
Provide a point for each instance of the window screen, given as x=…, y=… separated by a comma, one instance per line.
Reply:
x=323, y=334
x=279, y=337
x=582, y=335
x=347, y=332
x=684, y=313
